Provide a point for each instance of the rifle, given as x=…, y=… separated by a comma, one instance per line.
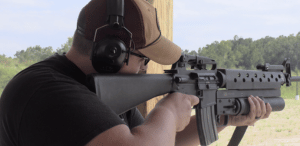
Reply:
x=221, y=91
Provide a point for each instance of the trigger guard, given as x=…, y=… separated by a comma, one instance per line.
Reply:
x=225, y=121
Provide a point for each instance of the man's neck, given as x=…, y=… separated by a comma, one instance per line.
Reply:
x=82, y=62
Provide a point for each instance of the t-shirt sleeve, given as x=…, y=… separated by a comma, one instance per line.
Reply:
x=135, y=118
x=61, y=113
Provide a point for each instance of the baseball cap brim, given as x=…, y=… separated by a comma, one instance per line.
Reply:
x=163, y=51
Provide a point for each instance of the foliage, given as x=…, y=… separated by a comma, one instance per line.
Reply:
x=9, y=67
x=65, y=47
x=246, y=53
x=36, y=53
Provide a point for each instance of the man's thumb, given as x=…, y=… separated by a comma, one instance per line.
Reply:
x=194, y=100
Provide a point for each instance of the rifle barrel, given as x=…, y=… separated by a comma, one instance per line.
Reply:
x=295, y=79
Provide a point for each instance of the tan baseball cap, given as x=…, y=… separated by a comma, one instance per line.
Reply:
x=140, y=18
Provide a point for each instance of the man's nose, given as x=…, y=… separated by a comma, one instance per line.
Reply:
x=143, y=69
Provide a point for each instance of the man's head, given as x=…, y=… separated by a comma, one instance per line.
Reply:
x=140, y=19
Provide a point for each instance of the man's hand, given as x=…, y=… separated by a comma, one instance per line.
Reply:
x=258, y=110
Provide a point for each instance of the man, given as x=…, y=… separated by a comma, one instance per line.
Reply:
x=48, y=104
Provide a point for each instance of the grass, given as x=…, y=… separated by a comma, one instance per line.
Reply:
x=281, y=128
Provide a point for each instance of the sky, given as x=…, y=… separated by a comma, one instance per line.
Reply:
x=196, y=23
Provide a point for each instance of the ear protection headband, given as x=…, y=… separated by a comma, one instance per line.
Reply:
x=109, y=54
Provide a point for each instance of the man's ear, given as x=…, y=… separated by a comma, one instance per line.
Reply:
x=151, y=1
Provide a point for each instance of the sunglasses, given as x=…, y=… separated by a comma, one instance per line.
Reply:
x=141, y=56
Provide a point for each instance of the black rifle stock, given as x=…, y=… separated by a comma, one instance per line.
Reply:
x=121, y=92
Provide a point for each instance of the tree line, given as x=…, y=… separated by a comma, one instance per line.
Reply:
x=37, y=53
x=9, y=67
x=236, y=53
x=246, y=54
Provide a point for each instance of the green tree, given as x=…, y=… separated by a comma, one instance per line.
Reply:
x=36, y=53
x=222, y=53
x=210, y=51
x=193, y=52
x=186, y=51
x=9, y=67
x=65, y=47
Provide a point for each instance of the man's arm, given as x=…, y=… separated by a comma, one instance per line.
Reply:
x=189, y=136
x=159, y=128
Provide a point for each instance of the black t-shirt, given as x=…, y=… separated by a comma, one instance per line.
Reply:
x=48, y=104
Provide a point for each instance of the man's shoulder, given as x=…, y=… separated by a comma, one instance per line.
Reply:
x=36, y=76
x=32, y=77
x=50, y=69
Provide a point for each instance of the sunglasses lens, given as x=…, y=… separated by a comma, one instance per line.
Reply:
x=147, y=61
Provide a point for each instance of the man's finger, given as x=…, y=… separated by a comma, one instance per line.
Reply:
x=257, y=105
x=269, y=110
x=252, y=113
x=263, y=108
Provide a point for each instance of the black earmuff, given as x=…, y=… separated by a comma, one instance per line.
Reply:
x=109, y=55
